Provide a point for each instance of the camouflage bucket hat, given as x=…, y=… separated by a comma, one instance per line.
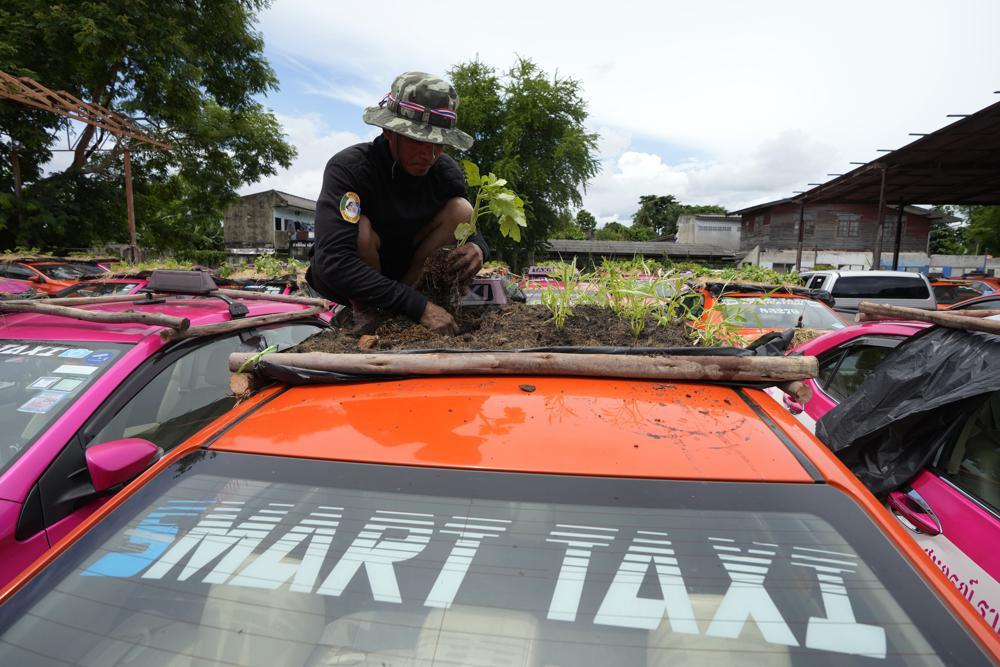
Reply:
x=422, y=107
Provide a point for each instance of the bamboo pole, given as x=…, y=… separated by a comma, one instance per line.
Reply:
x=86, y=300
x=868, y=312
x=649, y=367
x=176, y=324
x=283, y=298
x=242, y=323
x=974, y=313
x=799, y=391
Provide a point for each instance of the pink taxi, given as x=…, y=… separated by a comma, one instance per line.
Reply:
x=951, y=506
x=76, y=396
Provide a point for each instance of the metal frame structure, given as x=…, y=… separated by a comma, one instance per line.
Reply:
x=31, y=93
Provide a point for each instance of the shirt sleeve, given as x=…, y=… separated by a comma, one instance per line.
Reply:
x=336, y=265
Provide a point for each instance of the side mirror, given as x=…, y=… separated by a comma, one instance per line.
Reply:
x=793, y=406
x=117, y=461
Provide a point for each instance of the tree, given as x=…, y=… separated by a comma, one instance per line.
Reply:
x=529, y=130
x=659, y=213
x=190, y=71
x=567, y=228
x=586, y=222
x=616, y=231
x=982, y=235
x=947, y=239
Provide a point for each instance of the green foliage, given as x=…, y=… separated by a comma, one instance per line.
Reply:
x=566, y=228
x=758, y=274
x=616, y=231
x=500, y=201
x=192, y=71
x=586, y=221
x=529, y=130
x=559, y=299
x=659, y=213
x=269, y=266
x=982, y=235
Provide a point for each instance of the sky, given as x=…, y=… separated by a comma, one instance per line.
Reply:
x=727, y=102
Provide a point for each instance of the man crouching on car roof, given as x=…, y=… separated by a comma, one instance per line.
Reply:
x=388, y=204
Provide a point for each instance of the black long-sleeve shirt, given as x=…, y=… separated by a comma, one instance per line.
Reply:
x=362, y=180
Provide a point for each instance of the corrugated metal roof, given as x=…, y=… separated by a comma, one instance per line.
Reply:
x=295, y=201
x=629, y=248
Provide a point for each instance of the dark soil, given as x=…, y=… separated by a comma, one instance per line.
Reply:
x=512, y=327
x=439, y=283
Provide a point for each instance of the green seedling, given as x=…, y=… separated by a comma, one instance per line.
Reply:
x=493, y=196
x=559, y=299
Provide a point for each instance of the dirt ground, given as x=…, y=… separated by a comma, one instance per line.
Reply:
x=512, y=327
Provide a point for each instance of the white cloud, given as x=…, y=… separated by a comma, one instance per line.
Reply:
x=316, y=143
x=765, y=96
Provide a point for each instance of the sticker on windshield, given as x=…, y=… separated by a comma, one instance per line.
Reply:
x=43, y=383
x=67, y=384
x=30, y=350
x=67, y=369
x=100, y=357
x=42, y=402
x=75, y=353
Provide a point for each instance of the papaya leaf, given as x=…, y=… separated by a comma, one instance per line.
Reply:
x=464, y=231
x=472, y=173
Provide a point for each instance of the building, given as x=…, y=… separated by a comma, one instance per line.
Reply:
x=269, y=222
x=720, y=231
x=839, y=236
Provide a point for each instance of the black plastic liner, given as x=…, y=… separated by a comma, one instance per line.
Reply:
x=915, y=401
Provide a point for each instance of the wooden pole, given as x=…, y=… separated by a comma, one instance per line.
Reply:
x=868, y=312
x=243, y=323
x=798, y=247
x=877, y=251
x=284, y=298
x=899, y=238
x=177, y=324
x=87, y=300
x=130, y=206
x=647, y=367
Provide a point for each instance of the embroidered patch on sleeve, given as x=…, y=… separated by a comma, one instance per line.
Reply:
x=350, y=207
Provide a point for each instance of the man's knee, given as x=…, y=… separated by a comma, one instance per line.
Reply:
x=454, y=213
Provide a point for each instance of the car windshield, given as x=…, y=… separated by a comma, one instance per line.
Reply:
x=58, y=271
x=262, y=560
x=98, y=289
x=949, y=294
x=779, y=313
x=38, y=381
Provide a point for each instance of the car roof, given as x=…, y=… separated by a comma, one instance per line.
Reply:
x=557, y=425
x=836, y=337
x=876, y=274
x=199, y=310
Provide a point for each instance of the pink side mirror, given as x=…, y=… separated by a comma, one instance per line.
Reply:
x=117, y=461
x=793, y=406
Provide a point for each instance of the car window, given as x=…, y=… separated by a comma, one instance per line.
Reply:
x=949, y=294
x=779, y=313
x=816, y=282
x=16, y=272
x=97, y=289
x=39, y=380
x=856, y=364
x=266, y=560
x=985, y=304
x=190, y=392
x=881, y=287
x=972, y=461
x=59, y=271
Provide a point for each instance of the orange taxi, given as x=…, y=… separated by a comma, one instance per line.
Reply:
x=44, y=274
x=949, y=292
x=755, y=310
x=482, y=519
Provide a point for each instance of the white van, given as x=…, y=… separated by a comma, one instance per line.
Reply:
x=896, y=288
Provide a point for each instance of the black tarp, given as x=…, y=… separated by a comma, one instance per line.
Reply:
x=918, y=398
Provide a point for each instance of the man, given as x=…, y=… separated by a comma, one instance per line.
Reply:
x=388, y=204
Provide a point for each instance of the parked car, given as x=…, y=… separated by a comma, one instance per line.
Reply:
x=949, y=292
x=760, y=309
x=419, y=522
x=983, y=302
x=43, y=274
x=69, y=386
x=16, y=289
x=992, y=282
x=948, y=505
x=103, y=287
x=895, y=288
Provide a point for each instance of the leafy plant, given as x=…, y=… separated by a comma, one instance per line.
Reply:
x=559, y=299
x=495, y=197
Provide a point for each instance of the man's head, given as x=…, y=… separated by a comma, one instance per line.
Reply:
x=415, y=157
x=422, y=108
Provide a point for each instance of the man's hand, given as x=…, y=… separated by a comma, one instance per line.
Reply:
x=466, y=260
x=438, y=320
